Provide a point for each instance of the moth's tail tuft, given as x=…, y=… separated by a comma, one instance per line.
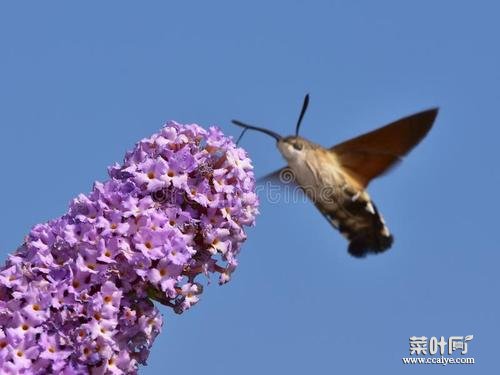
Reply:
x=370, y=243
x=359, y=221
x=372, y=239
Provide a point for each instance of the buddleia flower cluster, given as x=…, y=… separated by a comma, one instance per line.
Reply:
x=76, y=297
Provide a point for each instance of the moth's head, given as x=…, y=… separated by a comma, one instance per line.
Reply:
x=291, y=147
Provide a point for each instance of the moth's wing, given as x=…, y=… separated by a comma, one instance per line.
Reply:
x=284, y=175
x=372, y=154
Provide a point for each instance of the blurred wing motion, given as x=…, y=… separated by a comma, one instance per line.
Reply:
x=370, y=155
x=284, y=175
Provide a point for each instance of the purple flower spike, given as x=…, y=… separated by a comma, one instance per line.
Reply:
x=76, y=296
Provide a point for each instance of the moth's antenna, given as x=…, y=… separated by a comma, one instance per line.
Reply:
x=262, y=130
x=302, y=112
x=241, y=136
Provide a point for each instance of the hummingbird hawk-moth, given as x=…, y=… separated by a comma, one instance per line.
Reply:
x=335, y=178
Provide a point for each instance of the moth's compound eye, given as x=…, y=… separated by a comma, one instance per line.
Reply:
x=297, y=146
x=159, y=196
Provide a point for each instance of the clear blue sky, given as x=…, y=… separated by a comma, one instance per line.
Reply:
x=80, y=83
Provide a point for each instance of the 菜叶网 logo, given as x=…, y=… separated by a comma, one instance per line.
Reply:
x=421, y=346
